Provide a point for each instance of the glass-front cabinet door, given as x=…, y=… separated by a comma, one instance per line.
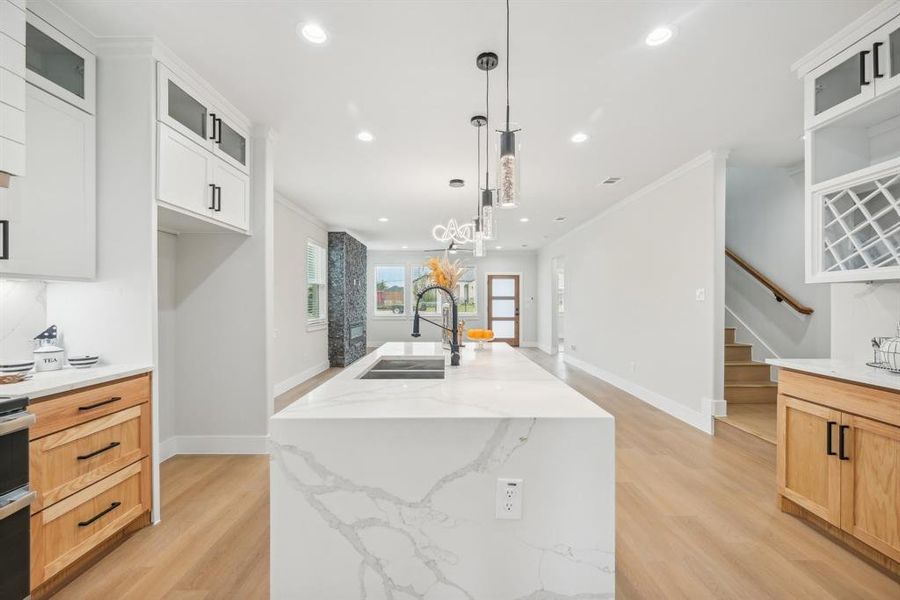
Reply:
x=182, y=108
x=230, y=142
x=58, y=65
x=840, y=84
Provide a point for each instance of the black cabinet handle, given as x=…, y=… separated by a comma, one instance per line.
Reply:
x=828, y=439
x=219, y=198
x=100, y=514
x=862, y=68
x=212, y=189
x=99, y=404
x=96, y=452
x=4, y=243
x=214, y=119
x=875, y=68
x=219, y=135
x=841, y=439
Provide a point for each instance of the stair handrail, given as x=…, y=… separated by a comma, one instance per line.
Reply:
x=777, y=291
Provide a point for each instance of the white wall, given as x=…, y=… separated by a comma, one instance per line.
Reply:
x=765, y=218
x=298, y=353
x=167, y=327
x=632, y=274
x=861, y=311
x=389, y=328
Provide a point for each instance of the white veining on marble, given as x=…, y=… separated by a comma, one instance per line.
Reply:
x=23, y=315
x=409, y=519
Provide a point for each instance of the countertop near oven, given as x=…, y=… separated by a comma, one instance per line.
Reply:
x=840, y=369
x=49, y=383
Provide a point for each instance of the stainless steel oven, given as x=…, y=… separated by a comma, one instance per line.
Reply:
x=15, y=498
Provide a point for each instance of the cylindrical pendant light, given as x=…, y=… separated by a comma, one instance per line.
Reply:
x=487, y=61
x=509, y=164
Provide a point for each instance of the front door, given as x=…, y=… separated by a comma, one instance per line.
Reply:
x=503, y=308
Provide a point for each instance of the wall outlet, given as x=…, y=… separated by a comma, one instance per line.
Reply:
x=701, y=294
x=509, y=499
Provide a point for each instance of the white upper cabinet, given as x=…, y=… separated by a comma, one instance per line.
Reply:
x=50, y=214
x=852, y=161
x=203, y=154
x=12, y=91
x=59, y=65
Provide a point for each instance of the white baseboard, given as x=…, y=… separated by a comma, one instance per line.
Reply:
x=295, y=380
x=168, y=448
x=529, y=345
x=697, y=419
x=545, y=348
x=213, y=444
x=716, y=408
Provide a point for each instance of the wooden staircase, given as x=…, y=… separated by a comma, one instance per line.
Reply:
x=749, y=391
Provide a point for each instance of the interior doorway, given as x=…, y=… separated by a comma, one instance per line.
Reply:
x=558, y=305
x=503, y=308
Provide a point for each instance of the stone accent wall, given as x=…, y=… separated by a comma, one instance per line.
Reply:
x=346, y=299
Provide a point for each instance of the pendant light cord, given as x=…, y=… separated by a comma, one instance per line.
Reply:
x=478, y=171
x=487, y=121
x=507, y=65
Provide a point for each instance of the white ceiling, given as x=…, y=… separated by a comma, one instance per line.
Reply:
x=405, y=71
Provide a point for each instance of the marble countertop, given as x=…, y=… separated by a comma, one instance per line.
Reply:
x=55, y=382
x=841, y=369
x=496, y=382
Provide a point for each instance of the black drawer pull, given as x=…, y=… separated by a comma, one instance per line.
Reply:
x=841, y=440
x=862, y=68
x=213, y=117
x=828, y=436
x=99, y=404
x=212, y=188
x=876, y=68
x=100, y=514
x=96, y=452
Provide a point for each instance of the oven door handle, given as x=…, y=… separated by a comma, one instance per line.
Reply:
x=16, y=504
x=23, y=421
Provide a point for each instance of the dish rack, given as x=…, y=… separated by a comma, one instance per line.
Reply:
x=887, y=360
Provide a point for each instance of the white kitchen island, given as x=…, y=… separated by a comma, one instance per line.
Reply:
x=386, y=488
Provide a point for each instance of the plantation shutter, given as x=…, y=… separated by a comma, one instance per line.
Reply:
x=315, y=281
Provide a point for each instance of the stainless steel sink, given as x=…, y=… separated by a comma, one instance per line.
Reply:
x=431, y=367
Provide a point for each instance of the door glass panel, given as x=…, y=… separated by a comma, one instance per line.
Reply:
x=53, y=61
x=185, y=109
x=232, y=143
x=503, y=308
x=838, y=85
x=503, y=287
x=894, y=44
x=504, y=329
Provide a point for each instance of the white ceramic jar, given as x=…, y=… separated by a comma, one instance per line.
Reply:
x=49, y=358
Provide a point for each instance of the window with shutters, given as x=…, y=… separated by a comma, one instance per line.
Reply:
x=316, y=291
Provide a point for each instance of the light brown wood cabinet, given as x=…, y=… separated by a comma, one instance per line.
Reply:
x=839, y=461
x=90, y=467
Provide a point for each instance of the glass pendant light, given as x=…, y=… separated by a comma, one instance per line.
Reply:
x=488, y=219
x=509, y=165
x=486, y=61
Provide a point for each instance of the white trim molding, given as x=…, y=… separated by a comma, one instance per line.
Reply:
x=213, y=444
x=295, y=380
x=703, y=422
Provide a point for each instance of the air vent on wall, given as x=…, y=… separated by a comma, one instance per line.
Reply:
x=611, y=180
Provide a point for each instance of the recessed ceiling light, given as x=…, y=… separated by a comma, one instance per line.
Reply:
x=524, y=220
x=457, y=183
x=660, y=35
x=611, y=181
x=313, y=33
x=365, y=136
x=524, y=245
x=383, y=219
x=404, y=247
x=559, y=219
x=498, y=247
x=579, y=137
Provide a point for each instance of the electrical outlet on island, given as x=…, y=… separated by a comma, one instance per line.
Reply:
x=509, y=499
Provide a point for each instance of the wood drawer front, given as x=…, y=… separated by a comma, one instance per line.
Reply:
x=73, y=408
x=70, y=460
x=871, y=402
x=65, y=531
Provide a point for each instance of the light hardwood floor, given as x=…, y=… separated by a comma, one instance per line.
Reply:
x=696, y=518
x=756, y=419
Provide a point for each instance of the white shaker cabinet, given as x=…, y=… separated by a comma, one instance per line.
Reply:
x=183, y=173
x=12, y=92
x=232, y=195
x=51, y=212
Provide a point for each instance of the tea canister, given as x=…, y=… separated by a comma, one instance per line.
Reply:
x=49, y=358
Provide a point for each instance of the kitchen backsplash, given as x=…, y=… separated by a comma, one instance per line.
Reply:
x=23, y=314
x=859, y=312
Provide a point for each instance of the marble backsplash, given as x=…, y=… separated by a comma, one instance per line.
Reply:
x=23, y=314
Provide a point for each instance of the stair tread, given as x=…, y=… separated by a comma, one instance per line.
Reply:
x=737, y=345
x=744, y=363
x=758, y=384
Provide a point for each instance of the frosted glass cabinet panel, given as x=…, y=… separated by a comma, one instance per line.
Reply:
x=59, y=65
x=231, y=144
x=186, y=110
x=839, y=84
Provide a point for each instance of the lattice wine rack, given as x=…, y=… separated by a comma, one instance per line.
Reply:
x=861, y=225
